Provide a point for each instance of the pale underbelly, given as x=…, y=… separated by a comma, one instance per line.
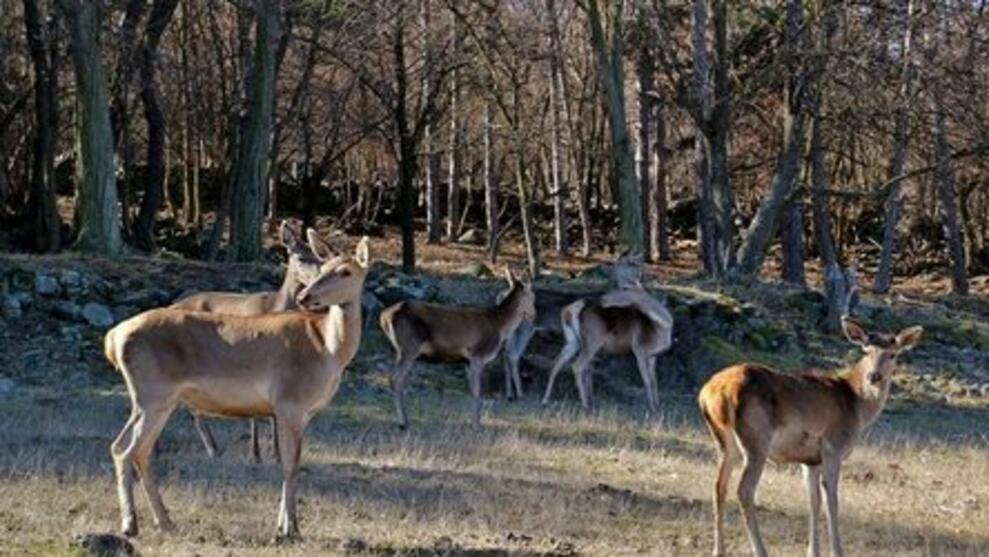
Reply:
x=795, y=446
x=230, y=397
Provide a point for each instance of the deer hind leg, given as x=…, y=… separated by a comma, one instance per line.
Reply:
x=125, y=473
x=514, y=348
x=583, y=375
x=754, y=453
x=830, y=473
x=812, y=480
x=291, y=425
x=566, y=354
x=146, y=432
x=474, y=371
x=728, y=459
x=206, y=434
x=647, y=369
x=399, y=382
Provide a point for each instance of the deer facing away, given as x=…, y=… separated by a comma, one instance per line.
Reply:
x=285, y=365
x=472, y=334
x=620, y=322
x=301, y=262
x=755, y=414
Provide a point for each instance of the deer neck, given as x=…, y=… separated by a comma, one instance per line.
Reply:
x=285, y=296
x=870, y=399
x=506, y=316
x=340, y=327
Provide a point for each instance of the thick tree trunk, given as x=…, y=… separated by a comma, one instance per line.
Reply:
x=42, y=211
x=431, y=166
x=897, y=164
x=944, y=174
x=456, y=143
x=792, y=239
x=255, y=147
x=610, y=66
x=144, y=228
x=720, y=122
x=120, y=102
x=557, y=157
x=97, y=213
x=406, y=153
x=819, y=181
x=764, y=224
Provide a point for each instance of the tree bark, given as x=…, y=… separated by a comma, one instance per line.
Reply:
x=557, y=190
x=120, y=93
x=792, y=239
x=760, y=231
x=456, y=142
x=720, y=122
x=144, y=228
x=660, y=232
x=42, y=211
x=610, y=66
x=944, y=175
x=432, y=162
x=97, y=212
x=897, y=164
x=407, y=152
x=646, y=70
x=707, y=229
x=490, y=187
x=255, y=147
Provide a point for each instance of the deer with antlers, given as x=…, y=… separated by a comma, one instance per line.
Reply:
x=625, y=320
x=472, y=334
x=301, y=262
x=815, y=419
x=286, y=365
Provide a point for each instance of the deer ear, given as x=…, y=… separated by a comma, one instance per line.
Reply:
x=908, y=338
x=363, y=252
x=854, y=332
x=320, y=247
x=509, y=276
x=288, y=236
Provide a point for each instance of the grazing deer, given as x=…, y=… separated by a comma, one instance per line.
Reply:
x=301, y=262
x=626, y=270
x=286, y=365
x=815, y=419
x=624, y=321
x=472, y=334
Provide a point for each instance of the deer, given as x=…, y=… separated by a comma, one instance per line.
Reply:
x=470, y=334
x=623, y=321
x=626, y=270
x=301, y=262
x=812, y=418
x=283, y=365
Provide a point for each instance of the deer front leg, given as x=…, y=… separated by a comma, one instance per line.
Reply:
x=291, y=423
x=831, y=472
x=812, y=479
x=399, y=378
x=474, y=371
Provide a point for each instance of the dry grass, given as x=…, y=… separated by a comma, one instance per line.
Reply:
x=534, y=481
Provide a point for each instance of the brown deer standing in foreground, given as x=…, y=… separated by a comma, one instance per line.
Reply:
x=815, y=419
x=472, y=334
x=623, y=321
x=626, y=270
x=287, y=365
x=301, y=262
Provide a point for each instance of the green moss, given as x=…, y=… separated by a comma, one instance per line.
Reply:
x=721, y=353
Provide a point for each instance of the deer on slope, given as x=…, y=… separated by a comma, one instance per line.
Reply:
x=453, y=333
x=301, y=262
x=282, y=365
x=814, y=419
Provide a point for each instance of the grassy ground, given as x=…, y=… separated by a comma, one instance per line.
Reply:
x=533, y=481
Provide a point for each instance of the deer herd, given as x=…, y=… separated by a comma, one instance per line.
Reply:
x=281, y=355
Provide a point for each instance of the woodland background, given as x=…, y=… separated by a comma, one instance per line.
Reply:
x=850, y=131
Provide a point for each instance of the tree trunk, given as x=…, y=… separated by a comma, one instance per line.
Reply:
x=456, y=142
x=792, y=239
x=944, y=174
x=42, y=211
x=760, y=231
x=723, y=197
x=558, y=192
x=144, y=229
x=406, y=153
x=255, y=147
x=490, y=187
x=97, y=213
x=432, y=162
x=120, y=93
x=646, y=70
x=660, y=233
x=897, y=164
x=610, y=67
x=707, y=229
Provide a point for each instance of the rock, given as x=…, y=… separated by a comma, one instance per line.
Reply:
x=470, y=236
x=97, y=315
x=144, y=299
x=123, y=312
x=64, y=309
x=45, y=285
x=70, y=279
x=7, y=386
x=103, y=545
x=477, y=270
x=70, y=333
x=10, y=307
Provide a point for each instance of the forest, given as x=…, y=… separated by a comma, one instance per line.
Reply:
x=844, y=131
